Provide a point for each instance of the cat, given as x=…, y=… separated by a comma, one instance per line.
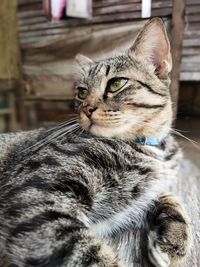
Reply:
x=92, y=191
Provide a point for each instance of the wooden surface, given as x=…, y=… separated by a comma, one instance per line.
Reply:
x=190, y=69
x=178, y=25
x=186, y=187
x=10, y=67
x=48, y=65
x=48, y=48
x=34, y=26
x=9, y=47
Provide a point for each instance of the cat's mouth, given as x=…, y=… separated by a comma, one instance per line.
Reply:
x=107, y=128
x=95, y=127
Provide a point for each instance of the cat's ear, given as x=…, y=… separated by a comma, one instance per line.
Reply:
x=82, y=60
x=152, y=45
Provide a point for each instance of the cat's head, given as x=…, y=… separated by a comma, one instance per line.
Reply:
x=127, y=96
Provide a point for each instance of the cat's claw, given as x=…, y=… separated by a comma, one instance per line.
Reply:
x=155, y=254
x=170, y=237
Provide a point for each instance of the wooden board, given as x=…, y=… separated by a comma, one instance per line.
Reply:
x=48, y=65
x=32, y=20
x=9, y=47
x=191, y=44
x=178, y=25
x=35, y=29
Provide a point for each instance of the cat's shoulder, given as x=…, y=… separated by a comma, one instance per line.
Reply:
x=10, y=142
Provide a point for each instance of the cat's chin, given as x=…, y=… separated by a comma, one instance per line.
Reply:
x=109, y=132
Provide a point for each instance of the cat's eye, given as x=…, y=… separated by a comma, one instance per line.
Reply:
x=116, y=84
x=82, y=93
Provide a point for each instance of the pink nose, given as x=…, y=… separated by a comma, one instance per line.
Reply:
x=88, y=110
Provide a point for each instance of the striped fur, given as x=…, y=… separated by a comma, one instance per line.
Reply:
x=86, y=194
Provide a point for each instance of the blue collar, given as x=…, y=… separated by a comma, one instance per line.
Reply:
x=148, y=141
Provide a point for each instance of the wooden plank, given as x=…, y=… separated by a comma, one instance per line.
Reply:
x=49, y=25
x=193, y=26
x=10, y=63
x=109, y=3
x=53, y=98
x=191, y=42
x=178, y=24
x=104, y=3
x=9, y=47
x=161, y=4
x=31, y=13
x=5, y=111
x=190, y=76
x=193, y=18
x=120, y=10
x=193, y=9
x=190, y=67
x=31, y=21
x=27, y=2
x=89, y=40
x=35, y=6
x=159, y=12
x=191, y=34
x=191, y=2
x=191, y=59
x=117, y=9
x=191, y=51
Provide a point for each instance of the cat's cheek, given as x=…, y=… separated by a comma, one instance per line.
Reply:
x=84, y=122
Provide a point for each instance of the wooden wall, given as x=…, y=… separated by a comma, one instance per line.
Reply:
x=10, y=67
x=190, y=69
x=48, y=48
x=9, y=47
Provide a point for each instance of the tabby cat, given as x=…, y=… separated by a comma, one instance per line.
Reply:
x=90, y=192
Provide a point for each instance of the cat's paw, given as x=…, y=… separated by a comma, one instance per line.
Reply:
x=170, y=237
x=155, y=254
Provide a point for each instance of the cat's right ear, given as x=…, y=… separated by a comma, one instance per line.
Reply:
x=83, y=61
x=153, y=47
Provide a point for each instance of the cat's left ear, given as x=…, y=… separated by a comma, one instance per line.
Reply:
x=83, y=61
x=152, y=45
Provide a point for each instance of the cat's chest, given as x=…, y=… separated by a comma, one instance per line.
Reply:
x=150, y=174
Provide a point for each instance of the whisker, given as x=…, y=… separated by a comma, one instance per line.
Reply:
x=62, y=124
x=59, y=134
x=196, y=144
x=65, y=129
x=64, y=134
x=182, y=131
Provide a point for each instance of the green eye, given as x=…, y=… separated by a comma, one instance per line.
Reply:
x=82, y=93
x=116, y=83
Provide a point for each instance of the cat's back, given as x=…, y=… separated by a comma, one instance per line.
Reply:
x=10, y=140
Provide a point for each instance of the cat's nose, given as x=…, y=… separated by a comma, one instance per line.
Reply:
x=88, y=110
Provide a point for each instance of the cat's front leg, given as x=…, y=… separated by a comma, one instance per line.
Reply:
x=170, y=237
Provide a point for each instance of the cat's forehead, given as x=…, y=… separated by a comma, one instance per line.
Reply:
x=108, y=68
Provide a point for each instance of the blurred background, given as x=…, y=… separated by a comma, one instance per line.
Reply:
x=39, y=39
